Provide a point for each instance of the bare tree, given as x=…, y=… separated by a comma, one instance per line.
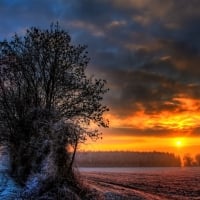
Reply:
x=188, y=160
x=197, y=157
x=46, y=100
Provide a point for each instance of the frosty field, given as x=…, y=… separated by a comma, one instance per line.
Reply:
x=166, y=183
x=144, y=183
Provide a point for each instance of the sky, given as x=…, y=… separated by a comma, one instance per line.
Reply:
x=149, y=53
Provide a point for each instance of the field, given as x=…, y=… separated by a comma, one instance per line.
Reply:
x=166, y=183
x=147, y=184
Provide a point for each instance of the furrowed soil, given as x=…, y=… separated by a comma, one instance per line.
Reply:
x=177, y=184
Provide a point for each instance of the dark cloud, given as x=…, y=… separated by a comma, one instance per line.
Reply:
x=147, y=132
x=155, y=86
x=19, y=14
x=142, y=90
x=195, y=132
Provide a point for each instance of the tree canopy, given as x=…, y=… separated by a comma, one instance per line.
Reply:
x=47, y=101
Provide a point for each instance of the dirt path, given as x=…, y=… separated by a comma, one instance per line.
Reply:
x=118, y=191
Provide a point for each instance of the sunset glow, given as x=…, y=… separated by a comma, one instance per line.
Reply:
x=179, y=143
x=175, y=133
x=164, y=144
x=177, y=129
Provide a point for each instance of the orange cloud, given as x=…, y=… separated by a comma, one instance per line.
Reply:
x=182, y=121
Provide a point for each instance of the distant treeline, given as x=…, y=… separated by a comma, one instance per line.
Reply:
x=127, y=159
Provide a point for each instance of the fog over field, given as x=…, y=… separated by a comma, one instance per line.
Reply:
x=127, y=159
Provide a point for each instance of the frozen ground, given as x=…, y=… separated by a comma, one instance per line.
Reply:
x=123, y=184
x=8, y=188
x=166, y=184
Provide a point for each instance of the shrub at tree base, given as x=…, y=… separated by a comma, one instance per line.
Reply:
x=41, y=188
x=47, y=104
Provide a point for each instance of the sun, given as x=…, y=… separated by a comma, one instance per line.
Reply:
x=178, y=143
